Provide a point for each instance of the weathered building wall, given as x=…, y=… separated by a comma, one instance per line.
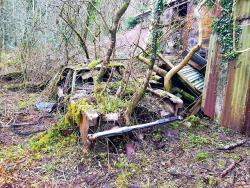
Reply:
x=191, y=33
x=226, y=95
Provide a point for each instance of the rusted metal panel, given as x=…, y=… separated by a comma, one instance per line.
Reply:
x=193, y=77
x=226, y=115
x=235, y=92
x=242, y=9
x=247, y=120
x=209, y=91
x=240, y=85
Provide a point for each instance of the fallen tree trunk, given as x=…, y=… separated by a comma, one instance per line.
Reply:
x=230, y=168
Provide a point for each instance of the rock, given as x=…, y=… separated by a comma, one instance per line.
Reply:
x=247, y=144
x=172, y=134
x=45, y=106
x=134, y=186
x=130, y=150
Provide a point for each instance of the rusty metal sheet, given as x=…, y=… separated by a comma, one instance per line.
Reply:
x=209, y=91
x=235, y=112
x=247, y=119
x=240, y=90
x=226, y=115
x=242, y=9
x=193, y=77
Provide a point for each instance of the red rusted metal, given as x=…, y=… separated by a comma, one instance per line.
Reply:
x=247, y=119
x=226, y=117
x=235, y=97
x=210, y=100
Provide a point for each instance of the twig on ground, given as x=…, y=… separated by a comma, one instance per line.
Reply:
x=7, y=125
x=230, y=168
x=233, y=145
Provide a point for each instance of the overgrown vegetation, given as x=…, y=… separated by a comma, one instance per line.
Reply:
x=92, y=40
x=132, y=22
x=224, y=26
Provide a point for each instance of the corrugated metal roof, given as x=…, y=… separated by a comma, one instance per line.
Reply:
x=193, y=77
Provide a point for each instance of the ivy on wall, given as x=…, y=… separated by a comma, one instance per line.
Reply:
x=224, y=26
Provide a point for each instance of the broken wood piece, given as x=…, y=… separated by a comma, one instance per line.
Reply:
x=122, y=130
x=164, y=94
x=88, y=119
x=233, y=145
x=196, y=107
x=157, y=69
x=184, y=94
x=230, y=167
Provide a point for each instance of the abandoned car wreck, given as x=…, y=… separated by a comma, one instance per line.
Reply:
x=130, y=93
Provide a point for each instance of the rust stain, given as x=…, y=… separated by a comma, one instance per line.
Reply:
x=235, y=112
x=209, y=107
x=247, y=119
x=240, y=90
x=212, y=75
x=225, y=119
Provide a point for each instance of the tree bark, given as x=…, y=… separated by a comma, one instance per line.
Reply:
x=113, y=32
x=80, y=38
x=155, y=38
x=157, y=69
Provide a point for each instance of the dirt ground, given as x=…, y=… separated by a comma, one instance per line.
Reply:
x=184, y=154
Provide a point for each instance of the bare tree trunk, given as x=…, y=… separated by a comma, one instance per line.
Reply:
x=174, y=70
x=112, y=32
x=81, y=40
x=155, y=38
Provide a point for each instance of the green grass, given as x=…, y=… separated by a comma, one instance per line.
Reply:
x=26, y=102
x=201, y=156
x=197, y=140
x=128, y=170
x=192, y=140
x=157, y=136
x=192, y=121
